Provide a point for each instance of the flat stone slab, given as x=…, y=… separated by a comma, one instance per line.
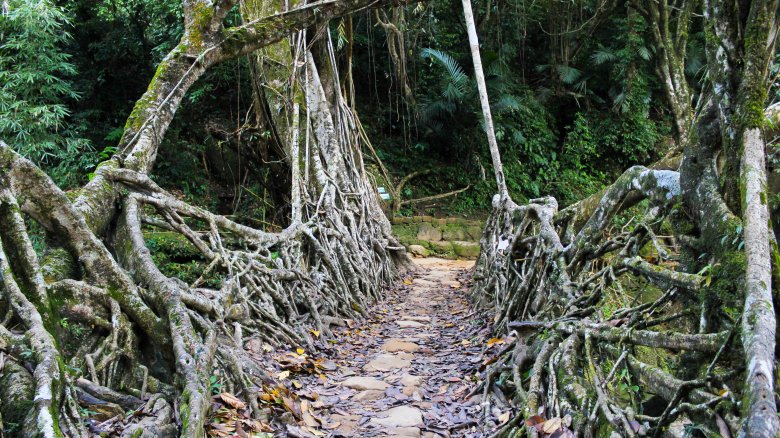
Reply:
x=400, y=416
x=387, y=362
x=410, y=380
x=365, y=383
x=417, y=318
x=405, y=432
x=410, y=324
x=369, y=395
x=395, y=345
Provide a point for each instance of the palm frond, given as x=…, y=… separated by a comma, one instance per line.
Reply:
x=603, y=56
x=458, y=78
x=568, y=74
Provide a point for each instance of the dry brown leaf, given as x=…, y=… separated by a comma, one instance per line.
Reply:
x=551, y=425
x=231, y=400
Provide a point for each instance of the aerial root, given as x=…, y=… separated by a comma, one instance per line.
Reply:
x=563, y=287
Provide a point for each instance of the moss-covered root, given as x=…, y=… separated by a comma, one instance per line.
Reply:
x=26, y=292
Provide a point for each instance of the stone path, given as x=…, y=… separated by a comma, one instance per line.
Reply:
x=407, y=371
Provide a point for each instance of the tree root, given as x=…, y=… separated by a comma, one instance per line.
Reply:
x=565, y=285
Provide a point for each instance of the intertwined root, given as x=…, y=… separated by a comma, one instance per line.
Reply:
x=582, y=293
x=156, y=339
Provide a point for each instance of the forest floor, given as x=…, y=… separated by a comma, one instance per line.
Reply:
x=408, y=369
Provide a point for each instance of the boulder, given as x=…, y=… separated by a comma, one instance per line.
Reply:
x=469, y=250
x=442, y=248
x=474, y=233
x=428, y=232
x=418, y=251
x=454, y=232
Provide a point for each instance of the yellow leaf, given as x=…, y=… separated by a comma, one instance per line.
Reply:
x=492, y=341
x=283, y=375
x=466, y=342
x=297, y=384
x=315, y=333
x=300, y=350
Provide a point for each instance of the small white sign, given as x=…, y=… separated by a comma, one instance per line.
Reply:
x=385, y=196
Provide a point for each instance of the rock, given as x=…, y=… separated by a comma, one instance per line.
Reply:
x=368, y=395
x=418, y=251
x=442, y=248
x=466, y=249
x=394, y=345
x=410, y=380
x=454, y=233
x=409, y=324
x=401, y=416
x=409, y=390
x=423, y=282
x=474, y=233
x=428, y=232
x=417, y=318
x=365, y=383
x=387, y=362
x=410, y=432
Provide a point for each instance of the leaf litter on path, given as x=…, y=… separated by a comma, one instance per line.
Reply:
x=406, y=371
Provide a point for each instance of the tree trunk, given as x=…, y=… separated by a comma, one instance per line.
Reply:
x=484, y=101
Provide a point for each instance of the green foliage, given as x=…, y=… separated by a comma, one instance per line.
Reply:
x=570, y=112
x=35, y=88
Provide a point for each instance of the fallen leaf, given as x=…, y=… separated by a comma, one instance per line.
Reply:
x=314, y=431
x=297, y=384
x=551, y=425
x=493, y=341
x=300, y=351
x=503, y=418
x=232, y=400
x=283, y=375
x=315, y=333
x=535, y=421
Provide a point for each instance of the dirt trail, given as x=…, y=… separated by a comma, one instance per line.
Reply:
x=406, y=371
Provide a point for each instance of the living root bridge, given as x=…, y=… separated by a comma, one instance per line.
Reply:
x=588, y=347
x=156, y=337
